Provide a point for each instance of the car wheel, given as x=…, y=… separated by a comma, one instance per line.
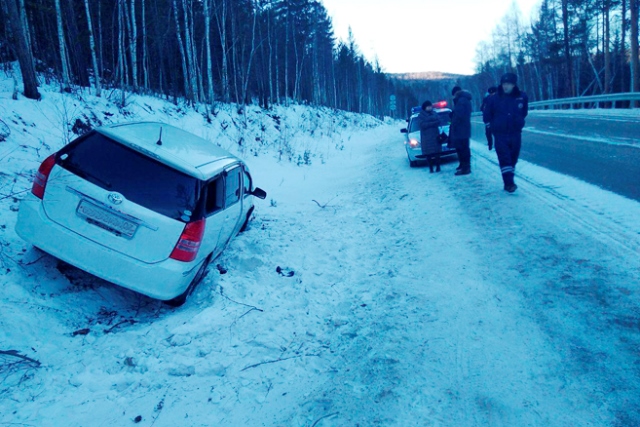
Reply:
x=201, y=274
x=413, y=163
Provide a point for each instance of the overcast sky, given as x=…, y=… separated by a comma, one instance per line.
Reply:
x=421, y=35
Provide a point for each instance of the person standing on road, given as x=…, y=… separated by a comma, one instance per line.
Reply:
x=505, y=115
x=430, y=135
x=487, y=129
x=460, y=129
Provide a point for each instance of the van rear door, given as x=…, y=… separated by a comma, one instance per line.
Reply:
x=119, y=198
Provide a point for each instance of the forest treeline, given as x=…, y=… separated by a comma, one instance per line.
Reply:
x=202, y=51
x=569, y=48
x=281, y=51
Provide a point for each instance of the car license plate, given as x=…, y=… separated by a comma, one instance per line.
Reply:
x=106, y=219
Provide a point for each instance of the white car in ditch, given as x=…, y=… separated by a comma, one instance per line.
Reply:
x=146, y=206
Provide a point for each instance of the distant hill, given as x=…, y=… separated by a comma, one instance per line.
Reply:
x=426, y=75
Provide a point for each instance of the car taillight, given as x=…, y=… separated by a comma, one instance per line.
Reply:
x=40, y=180
x=413, y=143
x=189, y=242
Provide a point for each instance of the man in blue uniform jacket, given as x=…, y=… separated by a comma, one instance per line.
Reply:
x=504, y=113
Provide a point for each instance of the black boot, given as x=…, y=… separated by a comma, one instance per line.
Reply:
x=511, y=188
x=463, y=171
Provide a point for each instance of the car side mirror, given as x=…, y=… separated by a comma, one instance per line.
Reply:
x=259, y=193
x=403, y=130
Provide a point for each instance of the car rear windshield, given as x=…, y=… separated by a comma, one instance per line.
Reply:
x=139, y=178
x=445, y=120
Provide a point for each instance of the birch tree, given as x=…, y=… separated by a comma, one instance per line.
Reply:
x=635, y=82
x=133, y=46
x=207, y=26
x=66, y=85
x=92, y=45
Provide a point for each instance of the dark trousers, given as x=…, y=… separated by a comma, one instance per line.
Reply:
x=508, y=151
x=464, y=153
x=434, y=160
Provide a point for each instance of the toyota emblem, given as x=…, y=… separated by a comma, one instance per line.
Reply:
x=115, y=198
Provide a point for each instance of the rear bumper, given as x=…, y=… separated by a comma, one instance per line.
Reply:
x=413, y=152
x=163, y=280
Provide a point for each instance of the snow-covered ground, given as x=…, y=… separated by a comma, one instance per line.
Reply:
x=403, y=298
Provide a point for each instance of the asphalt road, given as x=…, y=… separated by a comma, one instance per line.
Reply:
x=604, y=151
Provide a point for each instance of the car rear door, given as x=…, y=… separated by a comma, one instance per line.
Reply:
x=119, y=198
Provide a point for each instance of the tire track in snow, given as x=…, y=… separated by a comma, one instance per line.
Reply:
x=574, y=286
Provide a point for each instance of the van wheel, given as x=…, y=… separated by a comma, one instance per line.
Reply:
x=200, y=275
x=246, y=221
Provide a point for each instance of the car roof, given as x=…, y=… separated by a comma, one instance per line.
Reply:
x=179, y=149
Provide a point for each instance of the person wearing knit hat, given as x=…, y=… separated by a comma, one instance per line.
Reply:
x=509, y=78
x=460, y=129
x=504, y=115
x=430, y=135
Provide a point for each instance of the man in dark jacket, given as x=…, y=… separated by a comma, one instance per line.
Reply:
x=505, y=113
x=460, y=129
x=487, y=129
x=430, y=135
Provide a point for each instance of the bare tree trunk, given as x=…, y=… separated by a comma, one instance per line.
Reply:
x=121, y=50
x=191, y=63
x=235, y=41
x=245, y=86
x=207, y=26
x=277, y=71
x=100, y=49
x=567, y=51
x=25, y=23
x=286, y=63
x=634, y=48
x=221, y=21
x=269, y=38
x=606, y=28
x=134, y=46
x=66, y=85
x=126, y=32
x=145, y=64
x=623, y=56
x=183, y=62
x=22, y=50
x=92, y=45
x=593, y=67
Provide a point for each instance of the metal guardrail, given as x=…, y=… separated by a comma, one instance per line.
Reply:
x=584, y=101
x=594, y=101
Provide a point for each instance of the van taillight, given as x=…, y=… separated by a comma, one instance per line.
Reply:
x=189, y=242
x=40, y=180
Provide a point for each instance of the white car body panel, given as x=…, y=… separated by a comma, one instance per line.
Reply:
x=126, y=243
